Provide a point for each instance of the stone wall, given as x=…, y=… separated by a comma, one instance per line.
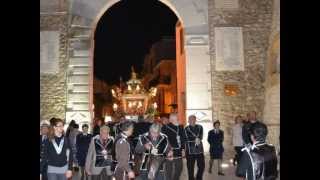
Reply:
x=272, y=95
x=53, y=86
x=255, y=18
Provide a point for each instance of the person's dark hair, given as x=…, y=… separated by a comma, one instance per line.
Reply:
x=216, y=122
x=72, y=122
x=259, y=131
x=124, y=126
x=76, y=126
x=85, y=125
x=52, y=121
x=71, y=126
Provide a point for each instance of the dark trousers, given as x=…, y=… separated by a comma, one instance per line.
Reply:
x=191, y=159
x=173, y=169
x=44, y=173
x=54, y=176
x=143, y=175
x=120, y=174
x=102, y=176
x=238, y=154
x=84, y=175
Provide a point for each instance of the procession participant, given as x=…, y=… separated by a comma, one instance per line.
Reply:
x=237, y=140
x=123, y=154
x=194, y=148
x=98, y=123
x=258, y=161
x=215, y=139
x=82, y=143
x=176, y=137
x=99, y=157
x=141, y=127
x=154, y=147
x=247, y=127
x=70, y=127
x=43, y=137
x=74, y=131
x=57, y=153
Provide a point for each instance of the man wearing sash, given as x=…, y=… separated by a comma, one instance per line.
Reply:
x=176, y=137
x=99, y=157
x=194, y=148
x=258, y=161
x=123, y=154
x=154, y=147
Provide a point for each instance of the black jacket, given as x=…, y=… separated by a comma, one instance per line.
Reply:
x=51, y=158
x=42, y=144
x=193, y=132
x=263, y=157
x=82, y=144
x=216, y=143
x=175, y=134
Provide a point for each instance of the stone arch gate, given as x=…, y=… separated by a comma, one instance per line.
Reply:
x=83, y=17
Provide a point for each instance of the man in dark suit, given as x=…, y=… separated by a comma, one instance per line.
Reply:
x=194, y=148
x=43, y=137
x=176, y=137
x=82, y=144
x=252, y=117
x=259, y=161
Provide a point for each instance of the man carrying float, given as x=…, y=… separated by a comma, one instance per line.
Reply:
x=154, y=147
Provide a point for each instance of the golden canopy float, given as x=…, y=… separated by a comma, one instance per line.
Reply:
x=133, y=100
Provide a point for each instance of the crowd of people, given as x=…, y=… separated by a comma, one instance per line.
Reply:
x=152, y=150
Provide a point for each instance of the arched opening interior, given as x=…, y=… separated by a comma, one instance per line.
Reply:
x=145, y=37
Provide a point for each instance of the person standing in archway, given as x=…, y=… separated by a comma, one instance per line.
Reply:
x=215, y=139
x=99, y=158
x=43, y=138
x=123, y=154
x=176, y=137
x=259, y=161
x=57, y=153
x=82, y=142
x=194, y=148
x=247, y=128
x=96, y=128
x=237, y=140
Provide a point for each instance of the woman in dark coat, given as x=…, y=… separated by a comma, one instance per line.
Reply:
x=215, y=139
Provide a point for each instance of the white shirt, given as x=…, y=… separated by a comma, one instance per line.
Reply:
x=237, y=135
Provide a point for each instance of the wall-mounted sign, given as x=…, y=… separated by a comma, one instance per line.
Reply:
x=229, y=49
x=231, y=89
x=49, y=52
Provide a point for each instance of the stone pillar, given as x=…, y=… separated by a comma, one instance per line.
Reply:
x=254, y=17
x=53, y=20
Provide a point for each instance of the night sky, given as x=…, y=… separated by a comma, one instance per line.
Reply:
x=125, y=34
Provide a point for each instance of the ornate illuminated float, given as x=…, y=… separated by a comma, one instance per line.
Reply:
x=133, y=100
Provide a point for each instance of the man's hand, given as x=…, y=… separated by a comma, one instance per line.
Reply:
x=88, y=172
x=170, y=155
x=131, y=175
x=147, y=146
x=183, y=153
x=69, y=174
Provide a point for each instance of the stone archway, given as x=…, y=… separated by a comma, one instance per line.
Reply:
x=197, y=92
x=180, y=58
